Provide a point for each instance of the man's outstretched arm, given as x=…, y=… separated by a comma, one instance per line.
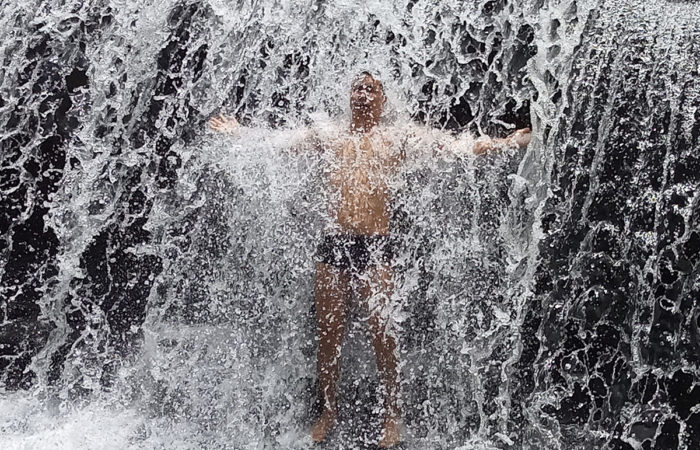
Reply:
x=520, y=138
x=442, y=144
x=295, y=140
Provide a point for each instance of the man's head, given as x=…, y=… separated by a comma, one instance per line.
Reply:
x=367, y=97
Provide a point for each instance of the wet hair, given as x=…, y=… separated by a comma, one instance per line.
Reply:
x=365, y=73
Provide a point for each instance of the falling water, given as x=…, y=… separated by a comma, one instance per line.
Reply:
x=156, y=278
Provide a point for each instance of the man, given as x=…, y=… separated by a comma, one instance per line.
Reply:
x=356, y=253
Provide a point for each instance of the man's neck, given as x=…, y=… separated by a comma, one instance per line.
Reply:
x=363, y=124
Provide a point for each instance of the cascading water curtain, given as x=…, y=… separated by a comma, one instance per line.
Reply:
x=156, y=278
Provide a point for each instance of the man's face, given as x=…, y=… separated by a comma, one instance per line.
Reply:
x=367, y=95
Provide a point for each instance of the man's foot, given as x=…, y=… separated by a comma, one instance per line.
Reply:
x=322, y=426
x=391, y=432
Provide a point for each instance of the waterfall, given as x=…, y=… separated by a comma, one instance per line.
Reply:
x=156, y=278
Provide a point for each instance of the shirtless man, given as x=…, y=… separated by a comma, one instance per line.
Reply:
x=357, y=255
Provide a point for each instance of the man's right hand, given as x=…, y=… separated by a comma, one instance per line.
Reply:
x=521, y=137
x=224, y=124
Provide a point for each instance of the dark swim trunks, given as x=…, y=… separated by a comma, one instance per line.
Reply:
x=356, y=252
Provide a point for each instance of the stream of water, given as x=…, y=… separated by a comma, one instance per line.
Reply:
x=156, y=278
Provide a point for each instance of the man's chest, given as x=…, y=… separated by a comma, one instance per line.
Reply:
x=373, y=153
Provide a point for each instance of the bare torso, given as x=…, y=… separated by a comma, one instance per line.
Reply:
x=361, y=166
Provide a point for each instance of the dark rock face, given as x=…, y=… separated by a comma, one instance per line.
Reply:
x=612, y=335
x=39, y=119
x=112, y=294
x=117, y=280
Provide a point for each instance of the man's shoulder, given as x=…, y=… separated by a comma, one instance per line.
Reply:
x=409, y=130
x=329, y=131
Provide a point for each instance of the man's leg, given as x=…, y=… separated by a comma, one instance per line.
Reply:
x=376, y=290
x=331, y=294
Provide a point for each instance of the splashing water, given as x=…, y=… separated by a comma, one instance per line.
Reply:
x=156, y=279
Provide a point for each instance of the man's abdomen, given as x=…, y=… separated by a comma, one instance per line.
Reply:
x=364, y=214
